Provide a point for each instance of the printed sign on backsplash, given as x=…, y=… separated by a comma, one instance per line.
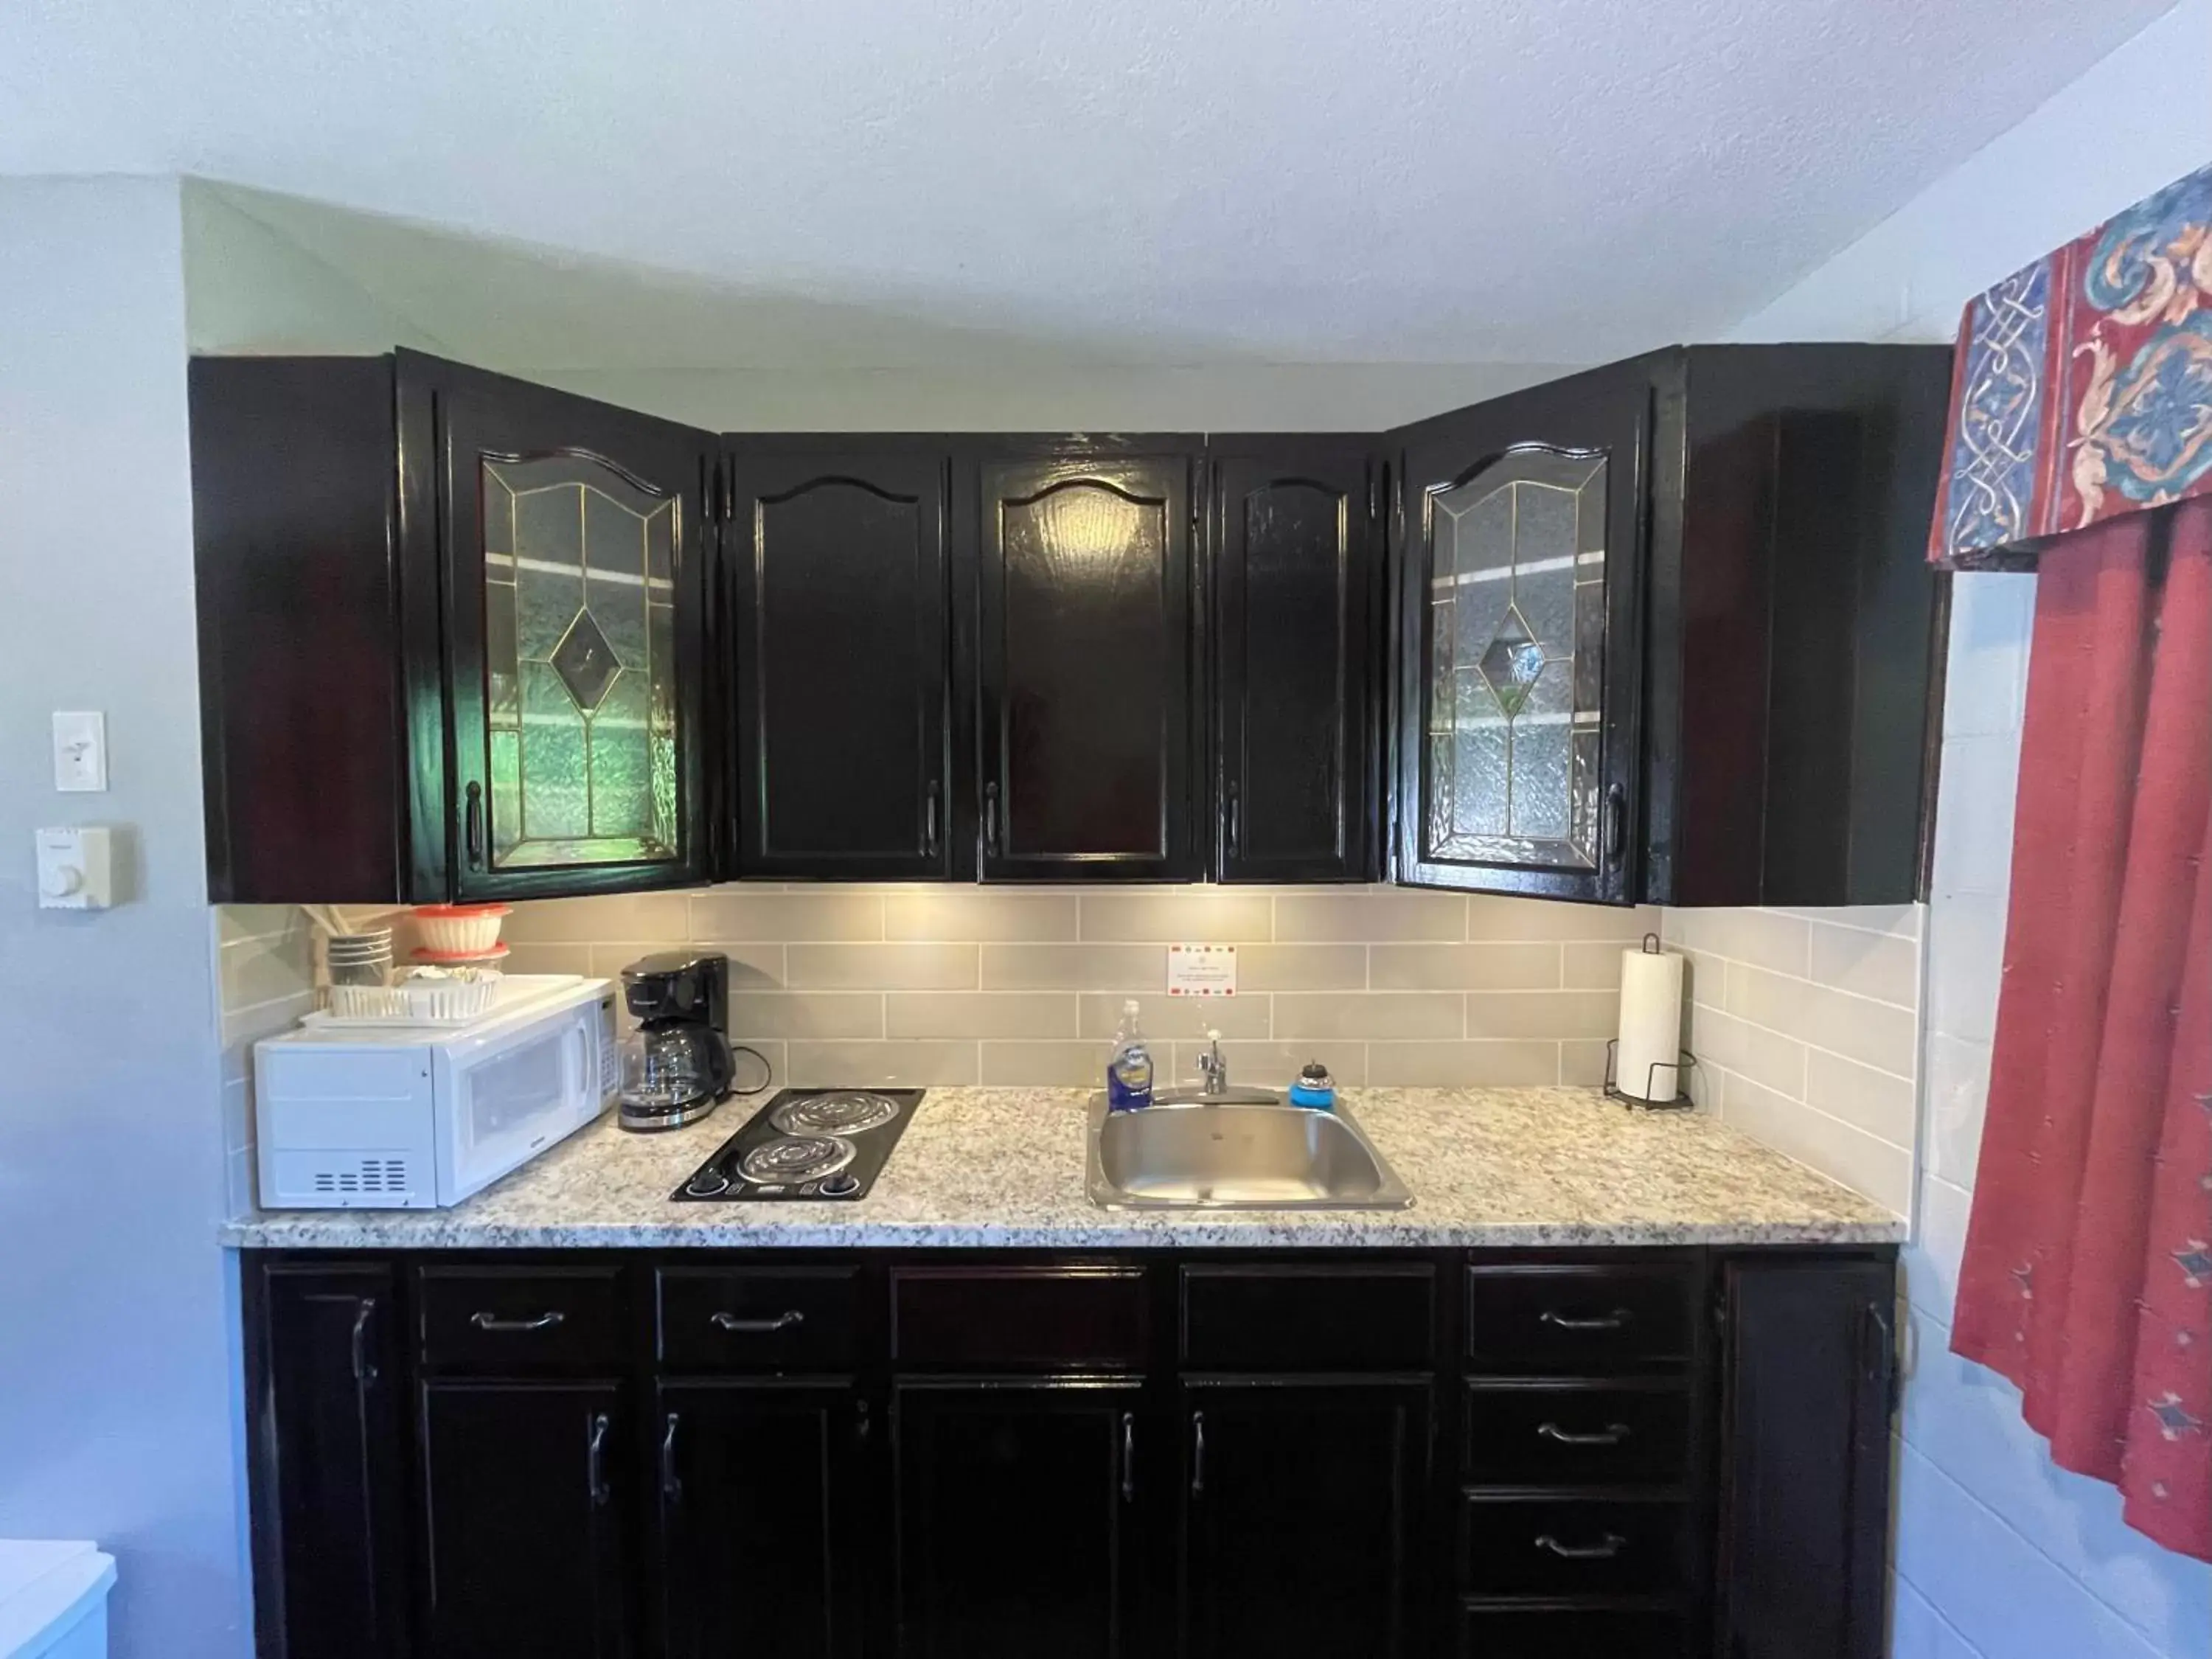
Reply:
x=1201, y=970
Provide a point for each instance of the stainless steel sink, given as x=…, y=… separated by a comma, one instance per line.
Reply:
x=1186, y=1151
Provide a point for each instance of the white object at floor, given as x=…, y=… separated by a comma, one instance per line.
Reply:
x=53, y=1599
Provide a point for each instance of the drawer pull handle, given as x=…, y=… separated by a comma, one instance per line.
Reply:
x=1611, y=1435
x=672, y=1484
x=545, y=1321
x=1611, y=1322
x=1599, y=1552
x=595, y=1464
x=738, y=1325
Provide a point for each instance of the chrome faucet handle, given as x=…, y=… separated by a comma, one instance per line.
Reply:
x=1212, y=1066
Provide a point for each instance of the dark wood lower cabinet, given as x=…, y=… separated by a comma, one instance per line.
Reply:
x=326, y=1391
x=1207, y=1454
x=764, y=1546
x=1017, y=1520
x=525, y=1520
x=1301, y=1504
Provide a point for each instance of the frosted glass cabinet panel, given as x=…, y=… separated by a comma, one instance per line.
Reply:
x=576, y=551
x=1519, y=645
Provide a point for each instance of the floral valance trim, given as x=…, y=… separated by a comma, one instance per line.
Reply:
x=2083, y=386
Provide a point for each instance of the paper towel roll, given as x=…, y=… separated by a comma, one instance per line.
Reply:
x=1647, y=1063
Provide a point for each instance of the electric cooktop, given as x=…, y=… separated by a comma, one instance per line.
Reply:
x=805, y=1143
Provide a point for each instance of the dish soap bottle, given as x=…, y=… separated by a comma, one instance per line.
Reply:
x=1129, y=1071
x=1314, y=1089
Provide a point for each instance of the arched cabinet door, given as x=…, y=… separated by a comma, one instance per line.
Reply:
x=573, y=547
x=1296, y=539
x=1520, y=537
x=838, y=657
x=1087, y=655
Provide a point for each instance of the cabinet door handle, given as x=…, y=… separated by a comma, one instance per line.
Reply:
x=595, y=1463
x=1612, y=1322
x=1198, y=1453
x=1236, y=817
x=672, y=1484
x=1128, y=1457
x=474, y=826
x=1612, y=1435
x=1603, y=1551
x=1616, y=821
x=929, y=822
x=991, y=819
x=487, y=1321
x=364, y=1368
x=737, y=1324
x=864, y=1426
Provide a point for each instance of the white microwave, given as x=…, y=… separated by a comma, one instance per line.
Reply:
x=412, y=1117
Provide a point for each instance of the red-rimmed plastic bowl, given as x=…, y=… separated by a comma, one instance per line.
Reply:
x=468, y=930
x=458, y=959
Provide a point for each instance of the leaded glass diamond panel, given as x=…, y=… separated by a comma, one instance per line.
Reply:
x=1514, y=637
x=579, y=664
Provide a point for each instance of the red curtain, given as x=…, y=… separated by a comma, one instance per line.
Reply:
x=2087, y=1277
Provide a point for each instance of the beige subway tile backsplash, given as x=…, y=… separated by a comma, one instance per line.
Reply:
x=1368, y=916
x=1481, y=967
x=979, y=914
x=903, y=1064
x=1240, y=1016
x=907, y=966
x=984, y=1014
x=824, y=912
x=1359, y=1015
x=1461, y=1065
x=919, y=984
x=1215, y=915
x=1805, y=1025
x=1133, y=967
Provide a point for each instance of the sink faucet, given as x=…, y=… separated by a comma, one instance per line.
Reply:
x=1212, y=1067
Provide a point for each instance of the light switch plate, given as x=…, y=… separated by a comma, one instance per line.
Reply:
x=80, y=751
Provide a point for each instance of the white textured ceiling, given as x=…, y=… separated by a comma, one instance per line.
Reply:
x=1299, y=181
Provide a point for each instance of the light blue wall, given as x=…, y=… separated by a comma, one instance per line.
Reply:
x=118, y=1405
x=1999, y=1553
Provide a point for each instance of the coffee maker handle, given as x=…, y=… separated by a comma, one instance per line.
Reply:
x=725, y=1066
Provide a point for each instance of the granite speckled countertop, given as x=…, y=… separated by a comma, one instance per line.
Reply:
x=1004, y=1167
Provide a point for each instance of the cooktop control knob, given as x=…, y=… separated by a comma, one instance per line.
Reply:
x=841, y=1186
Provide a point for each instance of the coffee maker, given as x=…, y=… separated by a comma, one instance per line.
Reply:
x=677, y=1065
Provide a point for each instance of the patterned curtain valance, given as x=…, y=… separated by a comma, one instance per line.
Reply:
x=2083, y=387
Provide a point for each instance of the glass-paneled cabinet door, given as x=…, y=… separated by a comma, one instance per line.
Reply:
x=574, y=558
x=1519, y=641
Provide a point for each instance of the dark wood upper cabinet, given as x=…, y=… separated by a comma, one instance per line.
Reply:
x=1664, y=633
x=1086, y=653
x=1301, y=1502
x=451, y=632
x=574, y=546
x=525, y=1498
x=1808, y=1373
x=1296, y=536
x=1520, y=579
x=839, y=651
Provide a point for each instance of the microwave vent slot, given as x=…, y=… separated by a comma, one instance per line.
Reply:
x=368, y=1174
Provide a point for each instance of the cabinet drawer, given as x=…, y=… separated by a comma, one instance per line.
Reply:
x=1573, y=1547
x=1486, y=1632
x=1019, y=1318
x=1574, y=1317
x=1577, y=1434
x=1317, y=1318
x=744, y=1319
x=500, y=1320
